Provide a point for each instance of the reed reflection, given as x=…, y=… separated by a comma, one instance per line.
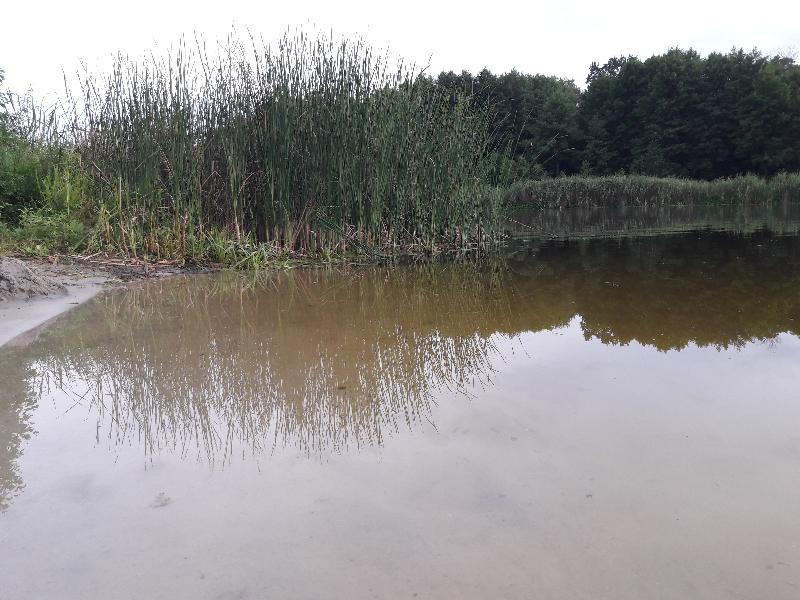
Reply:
x=320, y=360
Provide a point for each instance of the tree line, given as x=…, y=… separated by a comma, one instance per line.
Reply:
x=676, y=114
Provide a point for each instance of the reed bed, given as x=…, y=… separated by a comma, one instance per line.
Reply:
x=641, y=190
x=308, y=146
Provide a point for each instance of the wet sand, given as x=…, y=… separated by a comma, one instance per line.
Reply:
x=53, y=289
x=20, y=318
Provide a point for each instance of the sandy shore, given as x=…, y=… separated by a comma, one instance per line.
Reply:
x=33, y=292
x=20, y=317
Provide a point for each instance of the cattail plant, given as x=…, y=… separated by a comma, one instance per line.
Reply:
x=311, y=145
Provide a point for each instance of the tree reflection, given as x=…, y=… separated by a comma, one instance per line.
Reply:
x=702, y=288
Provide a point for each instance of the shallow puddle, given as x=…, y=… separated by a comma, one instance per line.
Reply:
x=596, y=418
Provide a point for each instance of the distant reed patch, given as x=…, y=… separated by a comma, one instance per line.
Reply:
x=641, y=190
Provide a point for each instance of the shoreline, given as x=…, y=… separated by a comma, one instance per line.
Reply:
x=56, y=289
x=22, y=319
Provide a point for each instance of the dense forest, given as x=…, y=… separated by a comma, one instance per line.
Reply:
x=676, y=114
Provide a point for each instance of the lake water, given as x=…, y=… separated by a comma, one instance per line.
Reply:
x=578, y=419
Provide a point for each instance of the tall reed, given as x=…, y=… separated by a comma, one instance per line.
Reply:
x=310, y=145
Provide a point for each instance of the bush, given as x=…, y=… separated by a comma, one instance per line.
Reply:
x=20, y=170
x=43, y=234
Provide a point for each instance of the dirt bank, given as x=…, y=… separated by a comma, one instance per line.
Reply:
x=34, y=291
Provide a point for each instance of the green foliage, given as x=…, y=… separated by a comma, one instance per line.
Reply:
x=42, y=234
x=680, y=114
x=21, y=168
x=44, y=200
x=6, y=242
x=674, y=115
x=316, y=147
x=25, y=162
x=66, y=189
x=534, y=115
x=61, y=222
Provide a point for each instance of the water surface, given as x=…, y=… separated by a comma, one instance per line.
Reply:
x=591, y=418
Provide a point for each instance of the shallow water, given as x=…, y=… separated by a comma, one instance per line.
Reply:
x=600, y=418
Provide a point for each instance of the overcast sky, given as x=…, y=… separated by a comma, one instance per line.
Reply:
x=40, y=39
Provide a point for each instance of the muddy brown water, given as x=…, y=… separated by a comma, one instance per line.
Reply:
x=584, y=419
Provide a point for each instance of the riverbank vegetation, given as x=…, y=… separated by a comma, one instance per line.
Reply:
x=316, y=148
x=645, y=190
x=310, y=147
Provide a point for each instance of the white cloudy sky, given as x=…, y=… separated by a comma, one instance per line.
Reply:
x=41, y=39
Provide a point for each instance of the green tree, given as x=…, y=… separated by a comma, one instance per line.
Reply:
x=535, y=116
x=685, y=115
